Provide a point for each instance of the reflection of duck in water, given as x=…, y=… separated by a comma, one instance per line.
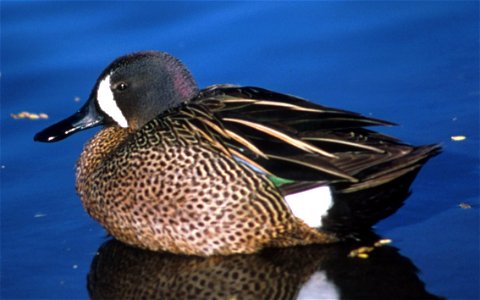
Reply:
x=228, y=169
x=312, y=272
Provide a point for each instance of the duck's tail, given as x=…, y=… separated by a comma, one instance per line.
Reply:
x=353, y=208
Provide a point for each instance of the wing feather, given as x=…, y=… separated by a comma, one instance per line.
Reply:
x=277, y=133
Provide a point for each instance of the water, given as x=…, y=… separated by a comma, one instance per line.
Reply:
x=415, y=63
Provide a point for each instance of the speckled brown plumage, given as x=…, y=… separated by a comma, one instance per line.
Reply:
x=167, y=188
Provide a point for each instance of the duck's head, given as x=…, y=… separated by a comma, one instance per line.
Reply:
x=131, y=91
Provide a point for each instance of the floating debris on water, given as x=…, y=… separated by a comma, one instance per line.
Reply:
x=464, y=205
x=39, y=215
x=382, y=242
x=363, y=252
x=77, y=99
x=29, y=115
x=458, y=138
x=362, y=255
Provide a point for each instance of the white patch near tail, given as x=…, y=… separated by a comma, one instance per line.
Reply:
x=318, y=287
x=311, y=205
x=106, y=102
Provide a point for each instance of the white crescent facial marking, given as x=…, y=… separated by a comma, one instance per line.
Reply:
x=311, y=205
x=107, y=104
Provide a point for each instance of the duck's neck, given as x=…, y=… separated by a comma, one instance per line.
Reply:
x=97, y=149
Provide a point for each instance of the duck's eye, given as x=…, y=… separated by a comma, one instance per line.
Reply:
x=121, y=86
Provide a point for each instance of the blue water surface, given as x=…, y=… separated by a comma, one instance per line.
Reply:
x=414, y=63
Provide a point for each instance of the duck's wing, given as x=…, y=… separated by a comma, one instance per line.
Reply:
x=293, y=138
x=311, y=145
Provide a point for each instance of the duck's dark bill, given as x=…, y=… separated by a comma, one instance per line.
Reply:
x=85, y=118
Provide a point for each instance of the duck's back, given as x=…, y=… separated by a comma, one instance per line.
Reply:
x=368, y=173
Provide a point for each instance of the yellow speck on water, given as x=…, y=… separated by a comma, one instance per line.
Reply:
x=464, y=205
x=382, y=242
x=458, y=138
x=28, y=115
x=364, y=249
x=362, y=252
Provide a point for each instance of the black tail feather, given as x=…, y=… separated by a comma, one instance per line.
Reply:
x=357, y=208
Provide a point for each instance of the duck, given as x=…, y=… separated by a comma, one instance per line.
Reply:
x=229, y=169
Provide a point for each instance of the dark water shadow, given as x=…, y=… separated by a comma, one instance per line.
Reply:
x=119, y=271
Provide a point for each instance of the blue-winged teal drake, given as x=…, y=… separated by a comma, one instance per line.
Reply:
x=228, y=169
